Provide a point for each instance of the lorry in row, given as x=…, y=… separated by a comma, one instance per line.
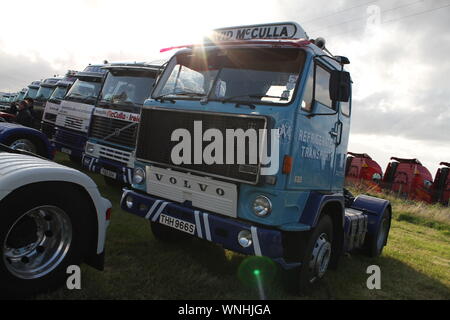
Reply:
x=199, y=171
x=113, y=128
x=75, y=111
x=44, y=92
x=54, y=102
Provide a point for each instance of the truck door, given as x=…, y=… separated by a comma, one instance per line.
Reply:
x=317, y=120
x=340, y=134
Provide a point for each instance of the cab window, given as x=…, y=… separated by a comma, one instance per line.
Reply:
x=306, y=103
x=321, y=86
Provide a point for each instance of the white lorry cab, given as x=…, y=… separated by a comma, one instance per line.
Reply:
x=75, y=112
x=51, y=217
x=112, y=135
x=53, y=104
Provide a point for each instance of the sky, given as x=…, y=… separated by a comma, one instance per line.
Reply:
x=398, y=52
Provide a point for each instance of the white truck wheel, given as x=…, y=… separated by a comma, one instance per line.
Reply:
x=42, y=232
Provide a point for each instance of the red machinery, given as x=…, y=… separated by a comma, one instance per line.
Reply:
x=408, y=178
x=7, y=117
x=441, y=184
x=360, y=169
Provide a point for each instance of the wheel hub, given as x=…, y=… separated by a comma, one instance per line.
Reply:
x=320, y=258
x=37, y=242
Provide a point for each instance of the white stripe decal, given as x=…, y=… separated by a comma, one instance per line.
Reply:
x=197, y=223
x=206, y=223
x=123, y=196
x=149, y=213
x=130, y=179
x=255, y=239
x=91, y=163
x=161, y=208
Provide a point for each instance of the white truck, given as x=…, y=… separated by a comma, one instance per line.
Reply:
x=51, y=217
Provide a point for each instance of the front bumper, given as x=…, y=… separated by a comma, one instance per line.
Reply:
x=221, y=230
x=124, y=174
x=70, y=140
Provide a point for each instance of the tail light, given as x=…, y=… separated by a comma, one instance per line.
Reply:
x=108, y=214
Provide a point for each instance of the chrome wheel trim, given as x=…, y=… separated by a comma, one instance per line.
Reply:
x=320, y=258
x=23, y=144
x=36, y=259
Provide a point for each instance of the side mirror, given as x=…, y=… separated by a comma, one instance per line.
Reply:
x=340, y=86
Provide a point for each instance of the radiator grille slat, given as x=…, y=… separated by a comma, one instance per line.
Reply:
x=154, y=141
x=102, y=127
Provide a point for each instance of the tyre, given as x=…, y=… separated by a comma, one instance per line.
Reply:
x=315, y=259
x=374, y=244
x=41, y=234
x=23, y=144
x=166, y=234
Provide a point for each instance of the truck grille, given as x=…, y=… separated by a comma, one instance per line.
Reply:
x=102, y=127
x=50, y=117
x=73, y=123
x=154, y=141
x=115, y=154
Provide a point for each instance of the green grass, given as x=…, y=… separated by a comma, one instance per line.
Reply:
x=414, y=265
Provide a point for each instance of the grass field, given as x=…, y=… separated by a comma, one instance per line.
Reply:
x=414, y=265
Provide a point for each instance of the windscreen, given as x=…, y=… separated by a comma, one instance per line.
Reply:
x=59, y=93
x=127, y=89
x=85, y=90
x=44, y=93
x=253, y=75
x=32, y=92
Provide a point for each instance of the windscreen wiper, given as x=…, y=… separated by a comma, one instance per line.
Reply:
x=251, y=96
x=181, y=93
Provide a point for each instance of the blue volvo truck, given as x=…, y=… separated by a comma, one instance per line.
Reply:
x=112, y=134
x=54, y=102
x=75, y=112
x=33, y=88
x=199, y=172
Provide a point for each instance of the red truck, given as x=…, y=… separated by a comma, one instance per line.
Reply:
x=408, y=178
x=361, y=170
x=441, y=184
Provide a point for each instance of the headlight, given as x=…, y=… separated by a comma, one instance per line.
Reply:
x=90, y=148
x=139, y=175
x=245, y=238
x=262, y=206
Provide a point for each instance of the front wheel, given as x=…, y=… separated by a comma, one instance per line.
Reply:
x=23, y=144
x=40, y=236
x=316, y=258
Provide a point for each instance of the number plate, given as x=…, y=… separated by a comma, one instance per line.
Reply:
x=108, y=173
x=177, y=224
x=66, y=150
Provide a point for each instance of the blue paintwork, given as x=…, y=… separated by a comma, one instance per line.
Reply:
x=70, y=139
x=374, y=208
x=8, y=130
x=124, y=174
x=317, y=175
x=223, y=231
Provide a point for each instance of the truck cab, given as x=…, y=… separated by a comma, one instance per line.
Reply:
x=362, y=170
x=441, y=184
x=21, y=95
x=243, y=143
x=32, y=90
x=74, y=114
x=44, y=92
x=5, y=101
x=409, y=179
x=112, y=134
x=53, y=103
